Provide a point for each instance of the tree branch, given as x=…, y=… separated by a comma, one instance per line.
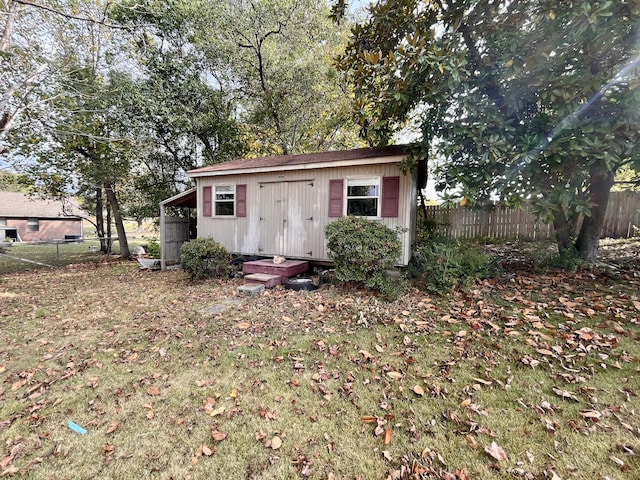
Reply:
x=70, y=16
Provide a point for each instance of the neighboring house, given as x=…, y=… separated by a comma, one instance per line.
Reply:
x=28, y=219
x=281, y=205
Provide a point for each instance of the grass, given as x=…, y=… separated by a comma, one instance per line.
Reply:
x=21, y=257
x=546, y=366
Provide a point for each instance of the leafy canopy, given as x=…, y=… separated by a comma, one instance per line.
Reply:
x=527, y=100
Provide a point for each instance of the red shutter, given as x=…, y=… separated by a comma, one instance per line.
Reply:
x=206, y=201
x=241, y=200
x=390, y=196
x=336, y=191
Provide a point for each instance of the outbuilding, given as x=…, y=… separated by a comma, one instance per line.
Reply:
x=281, y=205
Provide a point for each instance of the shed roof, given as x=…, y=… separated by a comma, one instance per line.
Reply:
x=20, y=205
x=304, y=161
x=184, y=199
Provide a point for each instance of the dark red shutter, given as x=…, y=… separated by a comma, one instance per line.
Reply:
x=390, y=196
x=206, y=201
x=336, y=191
x=241, y=200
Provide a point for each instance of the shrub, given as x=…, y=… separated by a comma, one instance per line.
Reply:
x=203, y=258
x=363, y=251
x=153, y=248
x=440, y=264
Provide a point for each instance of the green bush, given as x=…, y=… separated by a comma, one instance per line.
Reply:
x=363, y=251
x=203, y=258
x=152, y=248
x=440, y=264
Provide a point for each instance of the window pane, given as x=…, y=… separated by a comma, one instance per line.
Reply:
x=224, y=188
x=362, y=191
x=362, y=207
x=224, y=208
x=33, y=225
x=224, y=196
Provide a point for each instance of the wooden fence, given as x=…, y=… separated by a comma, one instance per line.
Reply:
x=623, y=214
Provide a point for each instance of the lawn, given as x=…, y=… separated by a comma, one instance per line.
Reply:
x=21, y=257
x=527, y=375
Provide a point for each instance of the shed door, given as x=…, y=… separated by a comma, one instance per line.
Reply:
x=288, y=218
x=302, y=220
x=271, y=210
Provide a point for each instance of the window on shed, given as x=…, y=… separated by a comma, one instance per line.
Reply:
x=363, y=196
x=225, y=200
x=33, y=224
x=3, y=221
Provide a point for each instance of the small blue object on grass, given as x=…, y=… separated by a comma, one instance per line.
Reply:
x=76, y=428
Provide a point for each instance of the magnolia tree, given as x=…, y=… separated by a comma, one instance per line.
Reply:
x=524, y=100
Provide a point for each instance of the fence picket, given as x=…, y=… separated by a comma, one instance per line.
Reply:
x=623, y=214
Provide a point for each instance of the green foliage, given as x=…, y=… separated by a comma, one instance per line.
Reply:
x=567, y=259
x=523, y=100
x=153, y=248
x=363, y=251
x=204, y=258
x=441, y=264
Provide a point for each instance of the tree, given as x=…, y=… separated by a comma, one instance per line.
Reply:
x=275, y=57
x=527, y=100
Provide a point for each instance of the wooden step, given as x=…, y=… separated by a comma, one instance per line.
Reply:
x=265, y=279
x=288, y=268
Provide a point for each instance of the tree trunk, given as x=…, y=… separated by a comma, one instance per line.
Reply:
x=563, y=231
x=599, y=189
x=104, y=246
x=115, y=208
x=109, y=237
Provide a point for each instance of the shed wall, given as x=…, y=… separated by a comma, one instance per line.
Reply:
x=287, y=212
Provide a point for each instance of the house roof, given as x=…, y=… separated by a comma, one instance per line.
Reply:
x=19, y=205
x=304, y=161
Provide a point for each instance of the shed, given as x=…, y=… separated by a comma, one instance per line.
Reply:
x=32, y=219
x=281, y=205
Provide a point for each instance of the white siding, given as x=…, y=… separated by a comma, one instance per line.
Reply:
x=294, y=225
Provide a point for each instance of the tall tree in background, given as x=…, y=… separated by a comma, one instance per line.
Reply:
x=529, y=100
x=275, y=56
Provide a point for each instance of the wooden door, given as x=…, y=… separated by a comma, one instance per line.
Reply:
x=271, y=208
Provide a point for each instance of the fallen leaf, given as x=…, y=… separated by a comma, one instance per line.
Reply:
x=218, y=436
x=395, y=375
x=113, y=427
x=6, y=461
x=276, y=442
x=465, y=403
x=18, y=385
x=218, y=411
x=153, y=390
x=387, y=455
x=544, y=351
x=368, y=419
x=418, y=390
x=565, y=394
x=9, y=471
x=594, y=415
x=243, y=325
x=207, y=451
x=234, y=393
x=496, y=451
x=386, y=439
x=108, y=449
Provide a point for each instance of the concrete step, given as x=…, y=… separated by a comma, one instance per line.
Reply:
x=265, y=279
